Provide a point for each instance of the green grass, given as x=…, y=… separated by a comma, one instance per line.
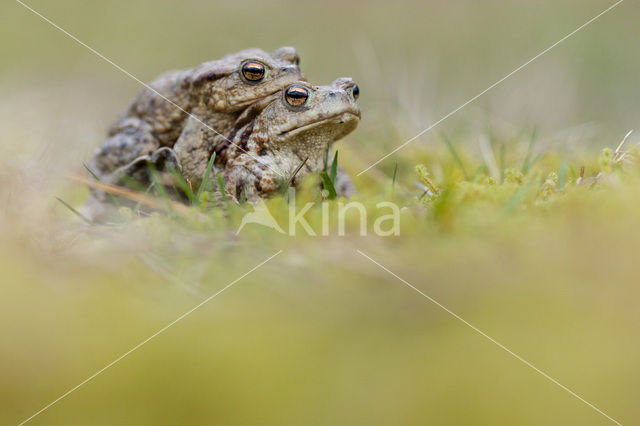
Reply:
x=515, y=258
x=543, y=260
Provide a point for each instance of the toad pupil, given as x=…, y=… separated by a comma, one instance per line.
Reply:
x=253, y=71
x=296, y=95
x=356, y=92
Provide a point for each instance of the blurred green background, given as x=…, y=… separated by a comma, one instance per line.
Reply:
x=320, y=335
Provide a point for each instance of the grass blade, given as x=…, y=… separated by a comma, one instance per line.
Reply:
x=205, y=179
x=129, y=194
x=138, y=206
x=184, y=186
x=223, y=193
x=328, y=185
x=455, y=155
x=563, y=175
x=91, y=172
x=76, y=212
x=161, y=191
x=395, y=175
x=334, y=169
x=285, y=187
x=114, y=199
x=521, y=194
x=479, y=171
x=527, y=160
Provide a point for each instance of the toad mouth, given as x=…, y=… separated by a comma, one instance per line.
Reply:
x=340, y=118
x=251, y=101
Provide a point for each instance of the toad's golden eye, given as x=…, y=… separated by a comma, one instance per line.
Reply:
x=253, y=71
x=296, y=95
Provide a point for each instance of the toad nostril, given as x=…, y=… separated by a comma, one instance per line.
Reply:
x=288, y=70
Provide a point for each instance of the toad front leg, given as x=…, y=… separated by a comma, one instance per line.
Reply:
x=247, y=179
x=194, y=149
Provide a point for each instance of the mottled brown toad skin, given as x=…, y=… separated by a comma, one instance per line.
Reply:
x=214, y=91
x=269, y=148
x=269, y=142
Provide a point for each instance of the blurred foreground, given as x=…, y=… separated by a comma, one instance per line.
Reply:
x=319, y=335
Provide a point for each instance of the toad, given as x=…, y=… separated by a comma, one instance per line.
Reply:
x=288, y=138
x=210, y=96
